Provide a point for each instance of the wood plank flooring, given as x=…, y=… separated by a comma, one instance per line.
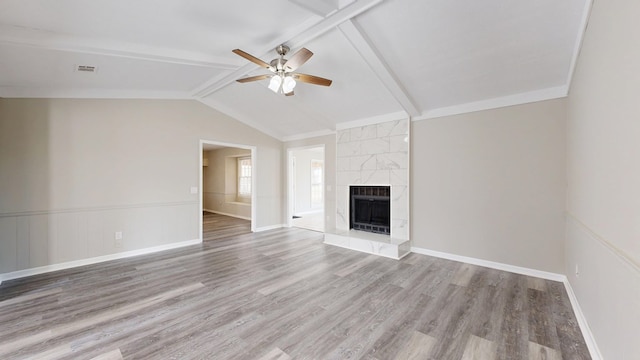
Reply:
x=216, y=226
x=283, y=294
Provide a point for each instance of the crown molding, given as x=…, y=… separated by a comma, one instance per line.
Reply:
x=308, y=135
x=504, y=101
x=400, y=115
x=90, y=93
x=21, y=36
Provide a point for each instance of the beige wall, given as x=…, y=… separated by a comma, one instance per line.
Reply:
x=219, y=182
x=329, y=143
x=73, y=172
x=491, y=185
x=603, y=221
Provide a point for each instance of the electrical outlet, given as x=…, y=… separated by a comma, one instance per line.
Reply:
x=577, y=271
x=118, y=237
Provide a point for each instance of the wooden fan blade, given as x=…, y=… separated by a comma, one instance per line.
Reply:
x=251, y=58
x=254, y=78
x=289, y=93
x=299, y=58
x=310, y=79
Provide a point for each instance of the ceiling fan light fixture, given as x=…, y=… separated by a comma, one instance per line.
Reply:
x=275, y=83
x=288, y=84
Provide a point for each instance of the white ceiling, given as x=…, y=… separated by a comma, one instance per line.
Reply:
x=387, y=58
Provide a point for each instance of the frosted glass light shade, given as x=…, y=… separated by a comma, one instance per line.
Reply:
x=288, y=84
x=275, y=82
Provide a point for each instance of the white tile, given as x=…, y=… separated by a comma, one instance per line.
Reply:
x=399, y=143
x=398, y=177
x=391, y=161
x=343, y=136
x=364, y=162
x=349, y=177
x=374, y=177
x=361, y=245
x=337, y=240
x=349, y=149
x=387, y=250
x=374, y=146
x=342, y=207
x=391, y=128
x=399, y=203
x=343, y=164
x=399, y=229
x=364, y=133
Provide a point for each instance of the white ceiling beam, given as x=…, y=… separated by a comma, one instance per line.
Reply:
x=20, y=36
x=375, y=61
x=311, y=31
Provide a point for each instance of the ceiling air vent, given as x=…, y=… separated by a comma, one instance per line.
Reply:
x=86, y=68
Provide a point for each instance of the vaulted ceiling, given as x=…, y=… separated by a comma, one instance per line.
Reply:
x=387, y=58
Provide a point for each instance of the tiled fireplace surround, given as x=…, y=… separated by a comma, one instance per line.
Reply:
x=378, y=155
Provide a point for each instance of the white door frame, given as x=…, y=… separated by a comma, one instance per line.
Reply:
x=254, y=172
x=291, y=178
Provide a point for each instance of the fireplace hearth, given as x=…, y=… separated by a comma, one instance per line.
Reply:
x=370, y=208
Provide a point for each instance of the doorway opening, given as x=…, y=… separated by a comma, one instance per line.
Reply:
x=227, y=189
x=305, y=185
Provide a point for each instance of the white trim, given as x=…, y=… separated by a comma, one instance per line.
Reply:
x=54, y=93
x=96, y=208
x=270, y=227
x=310, y=212
x=308, y=31
x=290, y=178
x=582, y=320
x=365, y=47
x=618, y=253
x=22, y=36
x=254, y=164
x=368, y=252
x=308, y=135
x=379, y=119
x=95, y=260
x=492, y=264
x=495, y=103
x=236, y=115
x=589, y=339
x=227, y=214
x=586, y=13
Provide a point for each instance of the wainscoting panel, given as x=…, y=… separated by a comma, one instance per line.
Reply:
x=607, y=287
x=36, y=239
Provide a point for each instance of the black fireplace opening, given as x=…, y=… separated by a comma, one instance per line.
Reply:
x=370, y=208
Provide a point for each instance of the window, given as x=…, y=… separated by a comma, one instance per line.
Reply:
x=244, y=177
x=317, y=177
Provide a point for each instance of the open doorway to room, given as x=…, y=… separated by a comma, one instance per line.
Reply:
x=227, y=183
x=306, y=188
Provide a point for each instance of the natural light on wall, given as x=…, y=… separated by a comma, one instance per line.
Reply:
x=244, y=179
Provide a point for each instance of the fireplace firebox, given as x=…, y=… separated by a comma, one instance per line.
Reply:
x=370, y=208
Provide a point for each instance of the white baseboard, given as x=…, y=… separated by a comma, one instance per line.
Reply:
x=76, y=263
x=582, y=322
x=227, y=214
x=310, y=212
x=492, y=264
x=270, y=227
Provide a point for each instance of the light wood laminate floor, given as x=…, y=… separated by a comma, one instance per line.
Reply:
x=282, y=294
x=216, y=226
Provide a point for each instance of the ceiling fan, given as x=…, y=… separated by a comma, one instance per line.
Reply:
x=283, y=79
